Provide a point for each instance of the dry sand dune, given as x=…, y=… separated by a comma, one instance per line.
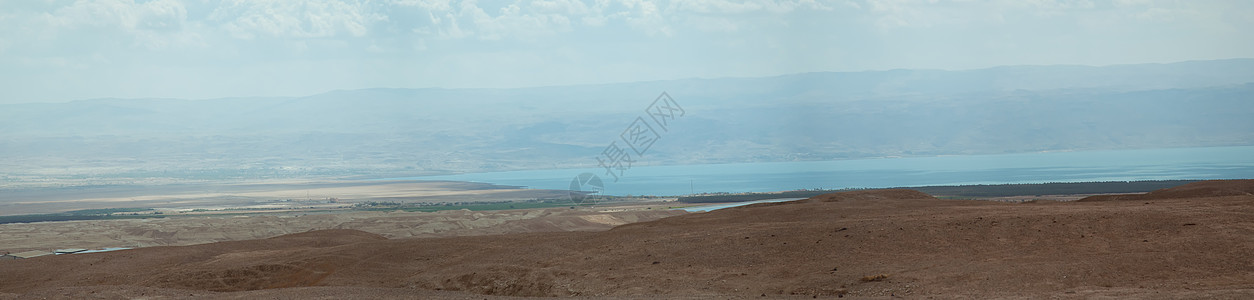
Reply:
x=887, y=243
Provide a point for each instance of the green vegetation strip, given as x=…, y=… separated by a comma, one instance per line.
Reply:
x=78, y=215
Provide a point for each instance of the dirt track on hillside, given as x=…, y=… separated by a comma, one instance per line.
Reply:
x=890, y=243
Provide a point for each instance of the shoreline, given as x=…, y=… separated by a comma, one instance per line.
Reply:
x=445, y=195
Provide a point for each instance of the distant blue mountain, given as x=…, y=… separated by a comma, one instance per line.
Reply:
x=812, y=116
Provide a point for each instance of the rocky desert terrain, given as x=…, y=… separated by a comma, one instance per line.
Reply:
x=1192, y=241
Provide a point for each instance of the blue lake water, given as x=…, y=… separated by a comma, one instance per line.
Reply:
x=1107, y=165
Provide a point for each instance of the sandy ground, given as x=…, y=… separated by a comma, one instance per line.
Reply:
x=1195, y=241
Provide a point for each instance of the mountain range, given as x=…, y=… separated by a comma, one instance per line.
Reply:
x=799, y=117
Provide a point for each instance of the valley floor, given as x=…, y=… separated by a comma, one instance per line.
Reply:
x=1192, y=241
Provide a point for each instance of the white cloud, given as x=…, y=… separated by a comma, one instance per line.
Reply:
x=511, y=21
x=1060, y=4
x=747, y=6
x=1122, y=3
x=891, y=14
x=427, y=4
x=1165, y=11
x=521, y=21
x=597, y=15
x=728, y=16
x=94, y=40
x=565, y=7
x=529, y=20
x=901, y=13
x=645, y=16
x=155, y=15
x=295, y=19
x=153, y=25
x=443, y=25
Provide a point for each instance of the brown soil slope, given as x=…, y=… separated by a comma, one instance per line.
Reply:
x=1212, y=188
x=859, y=244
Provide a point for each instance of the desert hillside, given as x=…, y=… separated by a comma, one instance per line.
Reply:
x=1211, y=188
x=864, y=244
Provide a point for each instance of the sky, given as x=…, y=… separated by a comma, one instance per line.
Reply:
x=57, y=51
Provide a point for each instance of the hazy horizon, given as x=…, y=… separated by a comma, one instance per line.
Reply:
x=619, y=83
